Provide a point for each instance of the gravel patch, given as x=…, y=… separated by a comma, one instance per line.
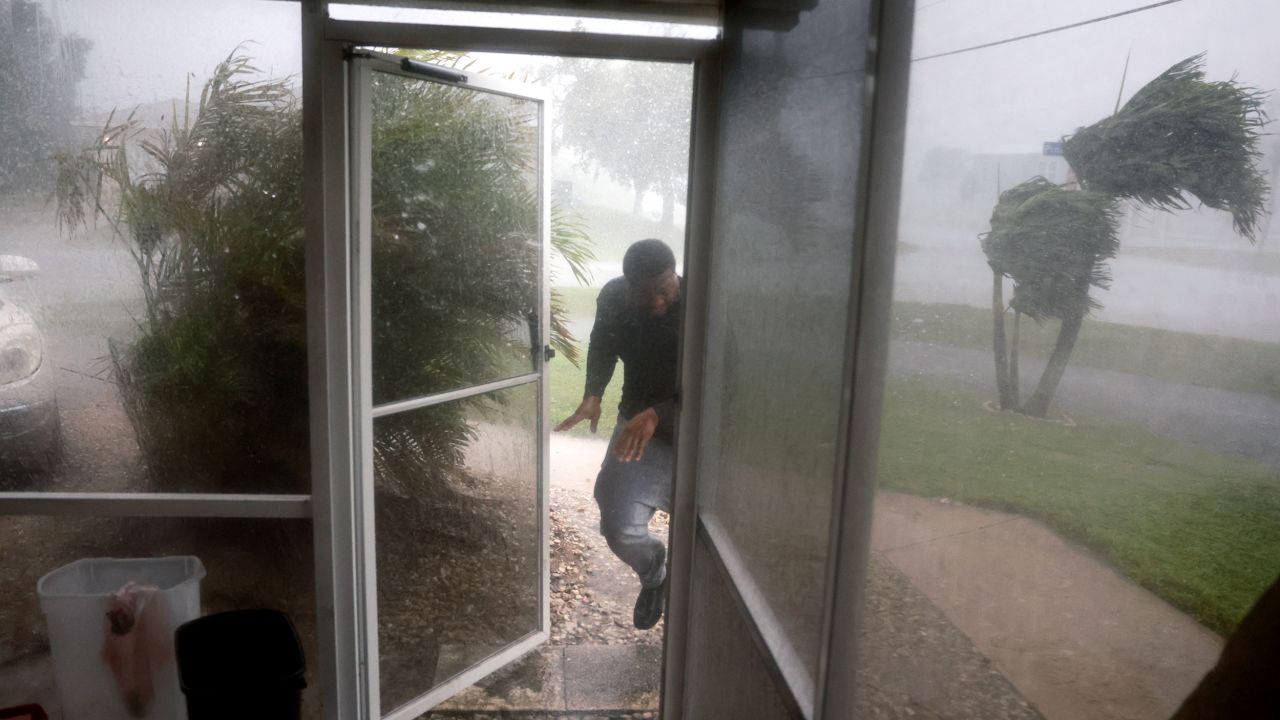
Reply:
x=592, y=591
x=914, y=663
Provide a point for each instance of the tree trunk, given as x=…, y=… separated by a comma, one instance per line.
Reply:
x=999, y=347
x=637, y=205
x=1015, y=377
x=1038, y=404
x=668, y=209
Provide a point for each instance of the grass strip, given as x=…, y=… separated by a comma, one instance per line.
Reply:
x=1197, y=528
x=1201, y=360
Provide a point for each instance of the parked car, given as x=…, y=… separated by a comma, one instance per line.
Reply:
x=30, y=429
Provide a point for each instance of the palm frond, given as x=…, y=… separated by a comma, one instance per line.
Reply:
x=572, y=240
x=1180, y=134
x=1054, y=244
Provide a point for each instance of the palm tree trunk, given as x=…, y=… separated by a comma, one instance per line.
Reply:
x=999, y=346
x=1038, y=404
x=1015, y=377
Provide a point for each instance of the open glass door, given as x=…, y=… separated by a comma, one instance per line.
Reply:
x=450, y=237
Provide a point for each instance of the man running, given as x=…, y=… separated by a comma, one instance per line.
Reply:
x=637, y=321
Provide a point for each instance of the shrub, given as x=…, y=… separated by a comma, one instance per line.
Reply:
x=216, y=381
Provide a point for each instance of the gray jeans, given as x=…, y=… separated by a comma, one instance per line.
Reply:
x=628, y=494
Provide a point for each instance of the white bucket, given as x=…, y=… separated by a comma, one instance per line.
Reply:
x=75, y=599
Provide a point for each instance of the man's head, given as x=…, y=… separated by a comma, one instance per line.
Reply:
x=650, y=269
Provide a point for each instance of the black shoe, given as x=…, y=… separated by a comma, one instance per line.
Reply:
x=649, y=606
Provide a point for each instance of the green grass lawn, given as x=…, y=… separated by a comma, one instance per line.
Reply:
x=1201, y=360
x=567, y=384
x=1199, y=529
x=580, y=302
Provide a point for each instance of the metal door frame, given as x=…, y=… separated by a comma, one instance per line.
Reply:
x=345, y=676
x=333, y=506
x=338, y=412
x=831, y=692
x=361, y=64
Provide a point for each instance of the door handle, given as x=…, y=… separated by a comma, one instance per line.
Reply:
x=548, y=352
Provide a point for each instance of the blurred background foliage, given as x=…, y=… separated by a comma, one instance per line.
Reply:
x=210, y=208
x=39, y=70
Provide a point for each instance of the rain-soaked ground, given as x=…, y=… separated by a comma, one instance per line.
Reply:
x=598, y=666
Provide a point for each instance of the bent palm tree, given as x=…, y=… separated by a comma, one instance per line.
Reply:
x=1054, y=244
x=1178, y=134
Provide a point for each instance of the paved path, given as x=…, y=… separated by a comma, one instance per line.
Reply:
x=1074, y=636
x=1220, y=420
x=617, y=680
x=915, y=665
x=575, y=461
x=1006, y=620
x=596, y=664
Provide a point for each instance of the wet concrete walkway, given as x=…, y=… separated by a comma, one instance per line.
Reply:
x=1010, y=621
x=1074, y=636
x=596, y=665
x=973, y=614
x=568, y=681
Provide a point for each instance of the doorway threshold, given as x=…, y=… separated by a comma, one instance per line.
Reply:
x=566, y=681
x=596, y=665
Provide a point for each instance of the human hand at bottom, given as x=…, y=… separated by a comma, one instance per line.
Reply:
x=589, y=409
x=635, y=436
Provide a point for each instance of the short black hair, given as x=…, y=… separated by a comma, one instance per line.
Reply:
x=646, y=259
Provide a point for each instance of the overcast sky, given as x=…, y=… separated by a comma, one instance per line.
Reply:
x=143, y=49
x=1013, y=97
x=1003, y=99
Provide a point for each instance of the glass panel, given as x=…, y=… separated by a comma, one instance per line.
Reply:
x=458, y=536
x=779, y=316
x=606, y=193
x=161, y=343
x=456, y=248
x=596, y=214
x=1075, y=513
x=246, y=564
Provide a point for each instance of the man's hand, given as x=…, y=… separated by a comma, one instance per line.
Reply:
x=589, y=409
x=635, y=436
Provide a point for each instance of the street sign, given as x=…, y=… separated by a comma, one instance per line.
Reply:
x=1053, y=148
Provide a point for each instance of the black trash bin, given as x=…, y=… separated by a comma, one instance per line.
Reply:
x=244, y=664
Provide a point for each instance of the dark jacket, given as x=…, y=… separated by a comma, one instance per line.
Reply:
x=648, y=347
